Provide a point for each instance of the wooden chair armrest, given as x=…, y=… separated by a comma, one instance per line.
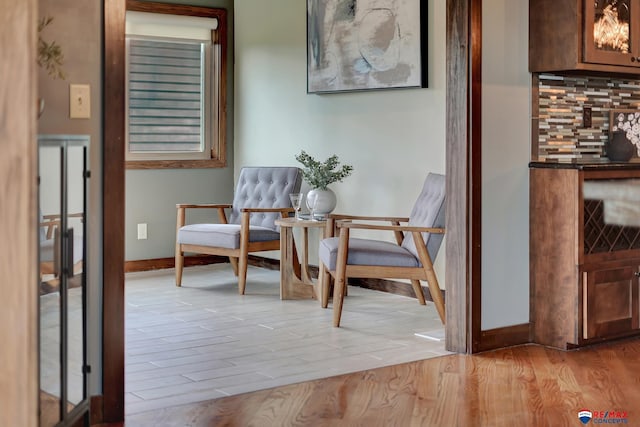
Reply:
x=405, y=228
x=51, y=225
x=51, y=221
x=331, y=228
x=281, y=210
x=340, y=217
x=182, y=207
x=54, y=217
x=202, y=206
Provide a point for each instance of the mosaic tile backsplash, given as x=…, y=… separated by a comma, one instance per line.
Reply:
x=561, y=101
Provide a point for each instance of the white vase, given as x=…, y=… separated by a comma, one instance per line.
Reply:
x=325, y=201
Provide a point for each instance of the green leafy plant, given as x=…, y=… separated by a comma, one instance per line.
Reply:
x=321, y=174
x=50, y=56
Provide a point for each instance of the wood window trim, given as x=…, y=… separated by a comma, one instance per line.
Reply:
x=176, y=164
x=219, y=148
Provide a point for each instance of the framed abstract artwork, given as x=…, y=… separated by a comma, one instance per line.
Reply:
x=366, y=44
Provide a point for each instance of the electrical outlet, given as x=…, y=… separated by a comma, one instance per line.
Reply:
x=142, y=231
x=79, y=101
x=586, y=116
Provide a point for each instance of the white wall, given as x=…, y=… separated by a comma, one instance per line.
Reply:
x=393, y=138
x=505, y=156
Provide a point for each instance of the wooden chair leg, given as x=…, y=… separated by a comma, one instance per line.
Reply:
x=338, y=298
x=340, y=281
x=234, y=265
x=179, y=266
x=436, y=294
x=417, y=288
x=430, y=274
x=179, y=263
x=324, y=278
x=242, y=275
x=244, y=252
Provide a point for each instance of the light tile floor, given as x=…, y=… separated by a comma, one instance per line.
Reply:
x=204, y=340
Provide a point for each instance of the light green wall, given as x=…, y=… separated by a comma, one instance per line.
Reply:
x=151, y=195
x=506, y=138
x=393, y=138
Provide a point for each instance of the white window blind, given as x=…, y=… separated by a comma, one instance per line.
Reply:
x=174, y=26
x=166, y=81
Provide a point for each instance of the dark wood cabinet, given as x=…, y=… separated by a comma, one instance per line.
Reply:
x=601, y=36
x=610, y=299
x=583, y=272
x=610, y=32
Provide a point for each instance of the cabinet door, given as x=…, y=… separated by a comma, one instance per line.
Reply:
x=610, y=301
x=611, y=32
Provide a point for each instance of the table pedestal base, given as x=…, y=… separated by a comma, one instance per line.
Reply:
x=295, y=279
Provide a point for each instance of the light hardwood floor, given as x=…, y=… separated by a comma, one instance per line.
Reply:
x=204, y=341
x=528, y=386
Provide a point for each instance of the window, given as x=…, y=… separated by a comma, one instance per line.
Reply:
x=175, y=86
x=166, y=93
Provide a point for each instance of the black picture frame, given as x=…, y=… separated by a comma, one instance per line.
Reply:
x=358, y=45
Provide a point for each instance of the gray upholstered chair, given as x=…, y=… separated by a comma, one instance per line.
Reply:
x=261, y=197
x=411, y=257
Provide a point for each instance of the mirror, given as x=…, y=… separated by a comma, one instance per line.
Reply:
x=62, y=280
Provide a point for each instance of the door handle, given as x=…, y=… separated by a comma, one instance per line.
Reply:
x=57, y=243
x=69, y=250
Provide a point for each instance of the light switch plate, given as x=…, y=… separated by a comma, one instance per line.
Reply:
x=79, y=101
x=142, y=231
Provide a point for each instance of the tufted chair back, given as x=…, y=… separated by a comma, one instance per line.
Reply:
x=264, y=187
x=428, y=211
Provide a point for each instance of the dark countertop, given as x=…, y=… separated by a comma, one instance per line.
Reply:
x=604, y=164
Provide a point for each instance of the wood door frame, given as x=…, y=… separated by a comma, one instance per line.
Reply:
x=464, y=175
x=19, y=394
x=463, y=171
x=113, y=211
